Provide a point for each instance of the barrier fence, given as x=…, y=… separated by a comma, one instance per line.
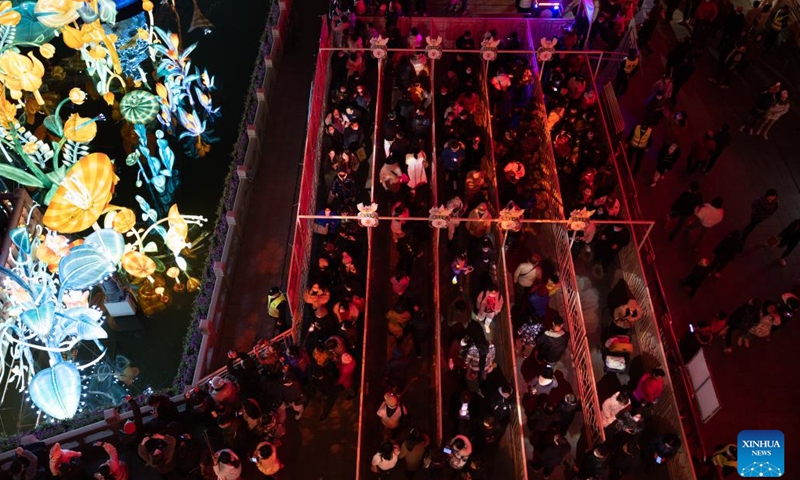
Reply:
x=651, y=337
x=579, y=342
x=309, y=185
x=684, y=392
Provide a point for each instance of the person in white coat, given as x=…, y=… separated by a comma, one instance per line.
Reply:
x=227, y=465
x=416, y=169
x=612, y=406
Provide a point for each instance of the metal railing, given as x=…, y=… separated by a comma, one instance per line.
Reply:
x=647, y=330
x=579, y=341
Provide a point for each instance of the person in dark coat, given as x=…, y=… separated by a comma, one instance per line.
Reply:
x=745, y=314
x=624, y=461
x=732, y=28
x=722, y=139
x=610, y=242
x=593, y=464
x=682, y=73
x=668, y=155
x=789, y=238
x=551, y=345
x=500, y=402
x=697, y=276
x=683, y=208
x=726, y=250
x=245, y=371
x=761, y=209
x=163, y=408
x=552, y=455
x=661, y=450
x=566, y=410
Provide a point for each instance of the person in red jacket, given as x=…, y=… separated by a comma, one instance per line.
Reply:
x=706, y=13
x=649, y=388
x=347, y=369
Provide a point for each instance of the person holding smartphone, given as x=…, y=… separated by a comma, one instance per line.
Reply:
x=661, y=449
x=458, y=451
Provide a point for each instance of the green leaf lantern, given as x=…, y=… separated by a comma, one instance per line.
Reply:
x=139, y=107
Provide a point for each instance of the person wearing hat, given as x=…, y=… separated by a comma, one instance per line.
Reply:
x=566, y=411
x=391, y=412
x=639, y=141
x=278, y=309
x=223, y=390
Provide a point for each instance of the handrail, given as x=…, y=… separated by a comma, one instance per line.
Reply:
x=437, y=300
x=579, y=341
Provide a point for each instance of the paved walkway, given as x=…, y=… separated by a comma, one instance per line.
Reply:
x=751, y=384
x=311, y=449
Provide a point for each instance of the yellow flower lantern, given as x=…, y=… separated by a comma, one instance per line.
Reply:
x=124, y=220
x=82, y=196
x=138, y=264
x=21, y=73
x=80, y=129
x=77, y=96
x=8, y=16
x=193, y=284
x=56, y=13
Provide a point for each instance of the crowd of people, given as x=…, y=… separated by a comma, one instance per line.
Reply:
x=244, y=413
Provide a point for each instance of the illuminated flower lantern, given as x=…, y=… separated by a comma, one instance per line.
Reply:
x=82, y=196
x=79, y=129
x=138, y=264
x=57, y=390
x=56, y=13
x=21, y=73
x=139, y=107
x=9, y=16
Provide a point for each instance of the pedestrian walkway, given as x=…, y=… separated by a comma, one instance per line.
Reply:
x=752, y=385
x=268, y=244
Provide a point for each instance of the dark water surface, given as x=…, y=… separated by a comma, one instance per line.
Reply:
x=154, y=345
